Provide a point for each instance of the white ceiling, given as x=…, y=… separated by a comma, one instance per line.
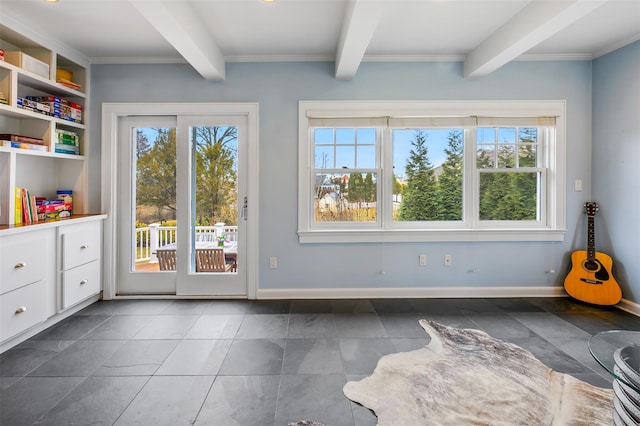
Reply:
x=486, y=34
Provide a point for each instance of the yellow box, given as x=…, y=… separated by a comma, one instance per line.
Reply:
x=62, y=74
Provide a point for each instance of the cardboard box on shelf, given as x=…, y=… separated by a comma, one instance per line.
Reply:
x=53, y=209
x=26, y=62
x=62, y=74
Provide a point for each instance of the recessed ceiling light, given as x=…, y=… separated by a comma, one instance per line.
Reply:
x=51, y=1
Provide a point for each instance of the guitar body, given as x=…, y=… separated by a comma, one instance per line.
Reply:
x=592, y=281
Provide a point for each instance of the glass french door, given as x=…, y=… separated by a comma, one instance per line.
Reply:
x=181, y=216
x=212, y=192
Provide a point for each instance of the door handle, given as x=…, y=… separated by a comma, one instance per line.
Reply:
x=245, y=208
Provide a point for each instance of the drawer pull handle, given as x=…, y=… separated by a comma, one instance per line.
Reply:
x=20, y=265
x=21, y=309
x=84, y=281
x=84, y=246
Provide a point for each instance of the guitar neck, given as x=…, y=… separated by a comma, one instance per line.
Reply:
x=591, y=239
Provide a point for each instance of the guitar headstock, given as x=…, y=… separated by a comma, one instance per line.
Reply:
x=590, y=208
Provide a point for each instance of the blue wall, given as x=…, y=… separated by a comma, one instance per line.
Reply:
x=616, y=163
x=279, y=86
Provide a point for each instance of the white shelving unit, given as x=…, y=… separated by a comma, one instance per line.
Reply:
x=42, y=173
x=39, y=282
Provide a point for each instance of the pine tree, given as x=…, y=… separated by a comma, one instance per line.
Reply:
x=398, y=187
x=356, y=188
x=369, y=188
x=420, y=197
x=511, y=196
x=450, y=180
x=142, y=144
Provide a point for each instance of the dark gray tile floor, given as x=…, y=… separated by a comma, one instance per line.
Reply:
x=225, y=363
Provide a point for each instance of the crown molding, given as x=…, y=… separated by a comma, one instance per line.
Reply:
x=616, y=46
x=367, y=58
x=127, y=60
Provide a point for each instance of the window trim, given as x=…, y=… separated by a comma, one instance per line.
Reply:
x=555, y=227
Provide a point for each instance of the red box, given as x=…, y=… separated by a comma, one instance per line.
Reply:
x=53, y=209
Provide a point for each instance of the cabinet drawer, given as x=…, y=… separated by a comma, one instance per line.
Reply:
x=22, y=308
x=22, y=259
x=80, y=283
x=81, y=244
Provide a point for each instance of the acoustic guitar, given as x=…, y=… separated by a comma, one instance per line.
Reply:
x=590, y=279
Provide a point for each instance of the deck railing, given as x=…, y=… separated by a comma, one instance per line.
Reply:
x=149, y=238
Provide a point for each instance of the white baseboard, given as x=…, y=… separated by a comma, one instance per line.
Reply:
x=426, y=293
x=409, y=292
x=629, y=306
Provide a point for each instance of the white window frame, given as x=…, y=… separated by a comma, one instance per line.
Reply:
x=377, y=170
x=553, y=206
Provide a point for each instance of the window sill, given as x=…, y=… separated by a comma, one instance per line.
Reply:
x=432, y=235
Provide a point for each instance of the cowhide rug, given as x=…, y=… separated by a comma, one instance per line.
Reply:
x=466, y=377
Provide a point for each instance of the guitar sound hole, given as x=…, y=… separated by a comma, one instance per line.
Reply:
x=591, y=265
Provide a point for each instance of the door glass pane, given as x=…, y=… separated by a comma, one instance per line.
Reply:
x=154, y=196
x=215, y=198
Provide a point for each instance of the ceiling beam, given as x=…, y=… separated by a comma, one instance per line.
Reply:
x=181, y=26
x=360, y=21
x=535, y=23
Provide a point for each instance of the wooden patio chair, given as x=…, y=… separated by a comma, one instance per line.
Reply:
x=211, y=260
x=166, y=259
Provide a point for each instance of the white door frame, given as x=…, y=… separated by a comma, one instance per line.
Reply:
x=111, y=114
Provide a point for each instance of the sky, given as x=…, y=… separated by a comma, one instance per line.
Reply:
x=437, y=141
x=346, y=151
x=351, y=147
x=151, y=133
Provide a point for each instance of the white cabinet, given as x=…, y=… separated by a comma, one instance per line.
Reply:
x=22, y=257
x=80, y=261
x=22, y=308
x=80, y=244
x=79, y=283
x=47, y=271
x=27, y=280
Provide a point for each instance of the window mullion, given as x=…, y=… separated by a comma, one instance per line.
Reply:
x=471, y=179
x=386, y=165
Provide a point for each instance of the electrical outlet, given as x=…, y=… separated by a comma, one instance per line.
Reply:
x=447, y=260
x=422, y=260
x=273, y=262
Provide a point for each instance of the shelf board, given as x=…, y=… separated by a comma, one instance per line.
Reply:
x=35, y=81
x=15, y=112
x=74, y=218
x=20, y=151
